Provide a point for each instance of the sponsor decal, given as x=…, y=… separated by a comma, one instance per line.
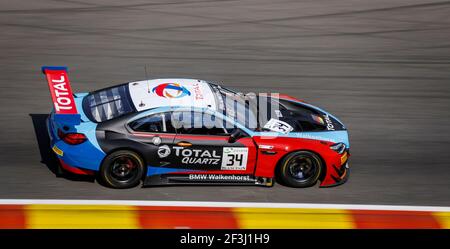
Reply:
x=198, y=95
x=318, y=119
x=171, y=90
x=61, y=92
x=163, y=151
x=234, y=158
x=57, y=150
x=278, y=126
x=310, y=136
x=220, y=178
x=197, y=156
x=330, y=125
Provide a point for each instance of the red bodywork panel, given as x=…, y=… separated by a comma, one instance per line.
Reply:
x=282, y=146
x=75, y=170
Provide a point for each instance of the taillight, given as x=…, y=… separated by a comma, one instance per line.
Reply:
x=72, y=138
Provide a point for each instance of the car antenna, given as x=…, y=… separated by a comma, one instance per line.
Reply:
x=146, y=78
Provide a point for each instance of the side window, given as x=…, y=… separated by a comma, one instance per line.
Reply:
x=196, y=123
x=159, y=122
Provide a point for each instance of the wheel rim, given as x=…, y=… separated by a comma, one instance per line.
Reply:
x=303, y=168
x=124, y=169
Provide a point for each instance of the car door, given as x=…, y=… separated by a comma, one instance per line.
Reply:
x=156, y=133
x=202, y=143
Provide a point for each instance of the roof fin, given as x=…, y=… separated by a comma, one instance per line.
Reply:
x=146, y=78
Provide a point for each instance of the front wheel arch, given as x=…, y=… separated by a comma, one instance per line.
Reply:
x=323, y=172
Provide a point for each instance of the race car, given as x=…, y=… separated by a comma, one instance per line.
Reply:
x=189, y=131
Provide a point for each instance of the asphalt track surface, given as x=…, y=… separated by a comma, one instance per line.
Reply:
x=381, y=66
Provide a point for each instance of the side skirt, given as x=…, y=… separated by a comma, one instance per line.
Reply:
x=206, y=179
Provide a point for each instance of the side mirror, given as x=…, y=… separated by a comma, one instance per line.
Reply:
x=235, y=135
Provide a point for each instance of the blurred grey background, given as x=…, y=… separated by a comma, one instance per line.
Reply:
x=381, y=66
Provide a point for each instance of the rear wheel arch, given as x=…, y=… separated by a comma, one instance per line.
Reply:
x=141, y=155
x=104, y=174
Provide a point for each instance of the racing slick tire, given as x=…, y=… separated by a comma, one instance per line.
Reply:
x=300, y=169
x=122, y=169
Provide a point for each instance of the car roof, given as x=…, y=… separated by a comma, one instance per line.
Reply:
x=148, y=94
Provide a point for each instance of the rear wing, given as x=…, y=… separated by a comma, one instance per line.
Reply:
x=62, y=96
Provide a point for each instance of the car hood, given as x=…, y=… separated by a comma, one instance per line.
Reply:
x=301, y=116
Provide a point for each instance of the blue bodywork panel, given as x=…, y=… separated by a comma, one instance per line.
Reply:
x=87, y=155
x=160, y=171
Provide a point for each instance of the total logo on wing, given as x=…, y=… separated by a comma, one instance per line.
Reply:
x=171, y=90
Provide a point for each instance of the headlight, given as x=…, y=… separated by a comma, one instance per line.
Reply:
x=339, y=147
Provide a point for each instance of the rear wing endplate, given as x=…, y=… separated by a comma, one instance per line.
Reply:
x=62, y=95
x=60, y=90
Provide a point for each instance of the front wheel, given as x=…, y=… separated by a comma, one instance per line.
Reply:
x=122, y=169
x=300, y=169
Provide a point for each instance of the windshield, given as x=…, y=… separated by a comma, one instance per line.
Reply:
x=109, y=103
x=234, y=105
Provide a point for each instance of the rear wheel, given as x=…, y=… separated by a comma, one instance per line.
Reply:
x=122, y=169
x=300, y=169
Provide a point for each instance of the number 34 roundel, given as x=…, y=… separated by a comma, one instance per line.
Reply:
x=234, y=158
